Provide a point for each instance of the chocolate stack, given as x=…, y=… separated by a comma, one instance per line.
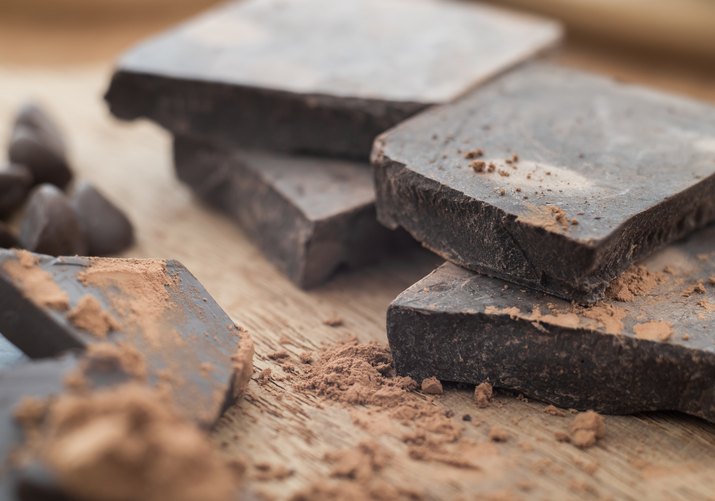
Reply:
x=542, y=189
x=274, y=106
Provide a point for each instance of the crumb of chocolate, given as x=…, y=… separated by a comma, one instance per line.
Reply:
x=265, y=472
x=491, y=167
x=498, y=434
x=653, y=331
x=483, y=394
x=278, y=355
x=466, y=417
x=502, y=192
x=334, y=321
x=586, y=429
x=305, y=357
x=89, y=316
x=478, y=165
x=503, y=173
x=554, y=411
x=432, y=386
x=475, y=153
x=36, y=284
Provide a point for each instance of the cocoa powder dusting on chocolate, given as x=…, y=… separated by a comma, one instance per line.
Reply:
x=138, y=290
x=634, y=282
x=653, y=331
x=124, y=443
x=36, y=284
x=89, y=316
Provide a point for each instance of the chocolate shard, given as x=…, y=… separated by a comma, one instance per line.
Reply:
x=268, y=74
x=156, y=307
x=36, y=143
x=650, y=347
x=106, y=228
x=8, y=239
x=15, y=184
x=310, y=216
x=50, y=225
x=550, y=178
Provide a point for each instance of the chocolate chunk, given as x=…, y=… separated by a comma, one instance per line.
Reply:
x=50, y=226
x=274, y=75
x=653, y=352
x=36, y=143
x=7, y=237
x=15, y=184
x=310, y=216
x=106, y=228
x=50, y=305
x=598, y=175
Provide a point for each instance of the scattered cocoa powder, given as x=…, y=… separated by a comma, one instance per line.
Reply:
x=475, y=153
x=36, y=284
x=653, y=331
x=264, y=377
x=89, y=316
x=265, y=472
x=698, y=288
x=478, y=165
x=483, y=394
x=334, y=321
x=359, y=463
x=634, y=282
x=432, y=386
x=586, y=429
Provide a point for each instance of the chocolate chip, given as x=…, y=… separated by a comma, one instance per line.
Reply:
x=36, y=143
x=106, y=228
x=15, y=184
x=7, y=237
x=50, y=226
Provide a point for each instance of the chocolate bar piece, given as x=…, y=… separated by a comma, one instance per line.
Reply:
x=314, y=76
x=649, y=347
x=157, y=308
x=550, y=178
x=37, y=380
x=310, y=216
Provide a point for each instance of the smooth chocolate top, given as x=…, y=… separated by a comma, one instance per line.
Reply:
x=424, y=51
x=599, y=150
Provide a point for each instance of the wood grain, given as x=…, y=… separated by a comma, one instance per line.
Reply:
x=654, y=456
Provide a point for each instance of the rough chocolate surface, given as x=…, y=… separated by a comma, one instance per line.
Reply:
x=604, y=174
x=310, y=216
x=274, y=74
x=655, y=351
x=157, y=308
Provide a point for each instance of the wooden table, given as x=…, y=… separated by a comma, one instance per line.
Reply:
x=648, y=456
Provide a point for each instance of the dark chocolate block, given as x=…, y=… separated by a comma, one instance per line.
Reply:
x=654, y=351
x=50, y=305
x=310, y=216
x=550, y=177
x=315, y=76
